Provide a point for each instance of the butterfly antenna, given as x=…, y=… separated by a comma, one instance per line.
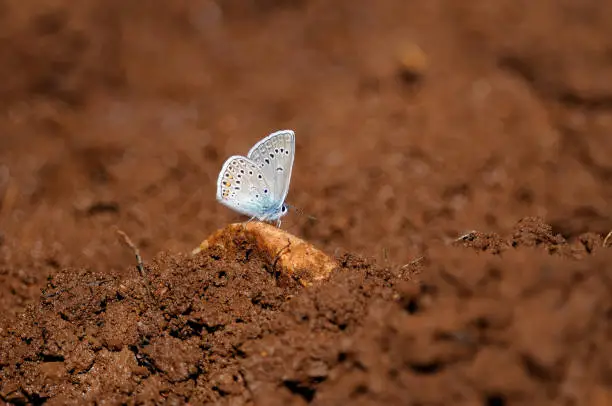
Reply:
x=301, y=212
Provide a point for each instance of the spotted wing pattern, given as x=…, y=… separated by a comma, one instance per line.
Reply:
x=274, y=156
x=243, y=186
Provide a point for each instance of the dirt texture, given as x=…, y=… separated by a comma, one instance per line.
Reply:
x=455, y=157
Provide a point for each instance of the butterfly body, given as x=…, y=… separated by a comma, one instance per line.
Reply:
x=257, y=184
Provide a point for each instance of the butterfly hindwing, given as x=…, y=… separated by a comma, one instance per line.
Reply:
x=274, y=156
x=243, y=186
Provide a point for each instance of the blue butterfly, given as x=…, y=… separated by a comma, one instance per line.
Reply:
x=257, y=185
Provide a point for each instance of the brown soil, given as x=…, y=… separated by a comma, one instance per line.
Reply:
x=416, y=122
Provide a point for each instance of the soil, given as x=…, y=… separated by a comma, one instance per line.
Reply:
x=455, y=158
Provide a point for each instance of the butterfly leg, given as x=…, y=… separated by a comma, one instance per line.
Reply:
x=247, y=222
x=278, y=223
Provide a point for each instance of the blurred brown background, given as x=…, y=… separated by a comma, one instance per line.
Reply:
x=415, y=122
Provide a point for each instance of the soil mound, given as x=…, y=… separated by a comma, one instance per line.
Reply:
x=470, y=323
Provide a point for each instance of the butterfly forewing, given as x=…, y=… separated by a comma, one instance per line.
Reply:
x=274, y=156
x=243, y=186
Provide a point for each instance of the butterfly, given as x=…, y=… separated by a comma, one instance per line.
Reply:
x=257, y=184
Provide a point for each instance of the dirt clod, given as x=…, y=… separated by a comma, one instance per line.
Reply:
x=288, y=255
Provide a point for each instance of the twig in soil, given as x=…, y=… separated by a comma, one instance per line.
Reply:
x=607, y=241
x=385, y=254
x=413, y=262
x=467, y=236
x=128, y=242
x=411, y=268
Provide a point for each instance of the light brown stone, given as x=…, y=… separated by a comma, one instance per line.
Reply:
x=290, y=255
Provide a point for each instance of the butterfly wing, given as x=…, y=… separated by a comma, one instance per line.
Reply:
x=243, y=187
x=274, y=156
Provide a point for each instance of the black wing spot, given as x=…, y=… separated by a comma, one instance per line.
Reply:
x=242, y=171
x=265, y=190
x=282, y=150
x=287, y=152
x=237, y=187
x=276, y=150
x=257, y=196
x=267, y=161
x=259, y=176
x=271, y=155
x=238, y=182
x=279, y=169
x=250, y=172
